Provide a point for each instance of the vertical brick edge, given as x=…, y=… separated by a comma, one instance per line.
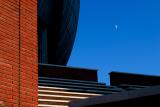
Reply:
x=18, y=53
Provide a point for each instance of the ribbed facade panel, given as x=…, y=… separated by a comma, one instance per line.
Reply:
x=57, y=26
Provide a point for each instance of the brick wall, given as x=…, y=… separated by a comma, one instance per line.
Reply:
x=18, y=53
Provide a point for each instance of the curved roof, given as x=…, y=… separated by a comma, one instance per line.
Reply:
x=57, y=21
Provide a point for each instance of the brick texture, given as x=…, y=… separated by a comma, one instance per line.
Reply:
x=18, y=53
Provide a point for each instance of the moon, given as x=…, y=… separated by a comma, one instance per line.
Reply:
x=116, y=27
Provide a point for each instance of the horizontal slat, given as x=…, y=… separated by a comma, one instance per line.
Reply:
x=137, y=86
x=79, y=87
x=113, y=88
x=62, y=96
x=75, y=89
x=70, y=80
x=53, y=102
x=66, y=101
x=57, y=88
x=132, y=88
x=54, y=88
x=68, y=93
x=46, y=105
x=58, y=98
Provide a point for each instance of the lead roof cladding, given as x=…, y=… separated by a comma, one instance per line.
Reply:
x=57, y=26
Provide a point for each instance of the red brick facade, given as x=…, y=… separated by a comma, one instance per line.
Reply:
x=18, y=53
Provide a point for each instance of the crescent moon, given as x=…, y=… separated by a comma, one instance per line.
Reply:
x=116, y=27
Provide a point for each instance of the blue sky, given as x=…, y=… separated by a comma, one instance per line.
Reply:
x=133, y=47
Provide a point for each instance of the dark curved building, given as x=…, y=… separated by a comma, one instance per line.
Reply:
x=57, y=22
